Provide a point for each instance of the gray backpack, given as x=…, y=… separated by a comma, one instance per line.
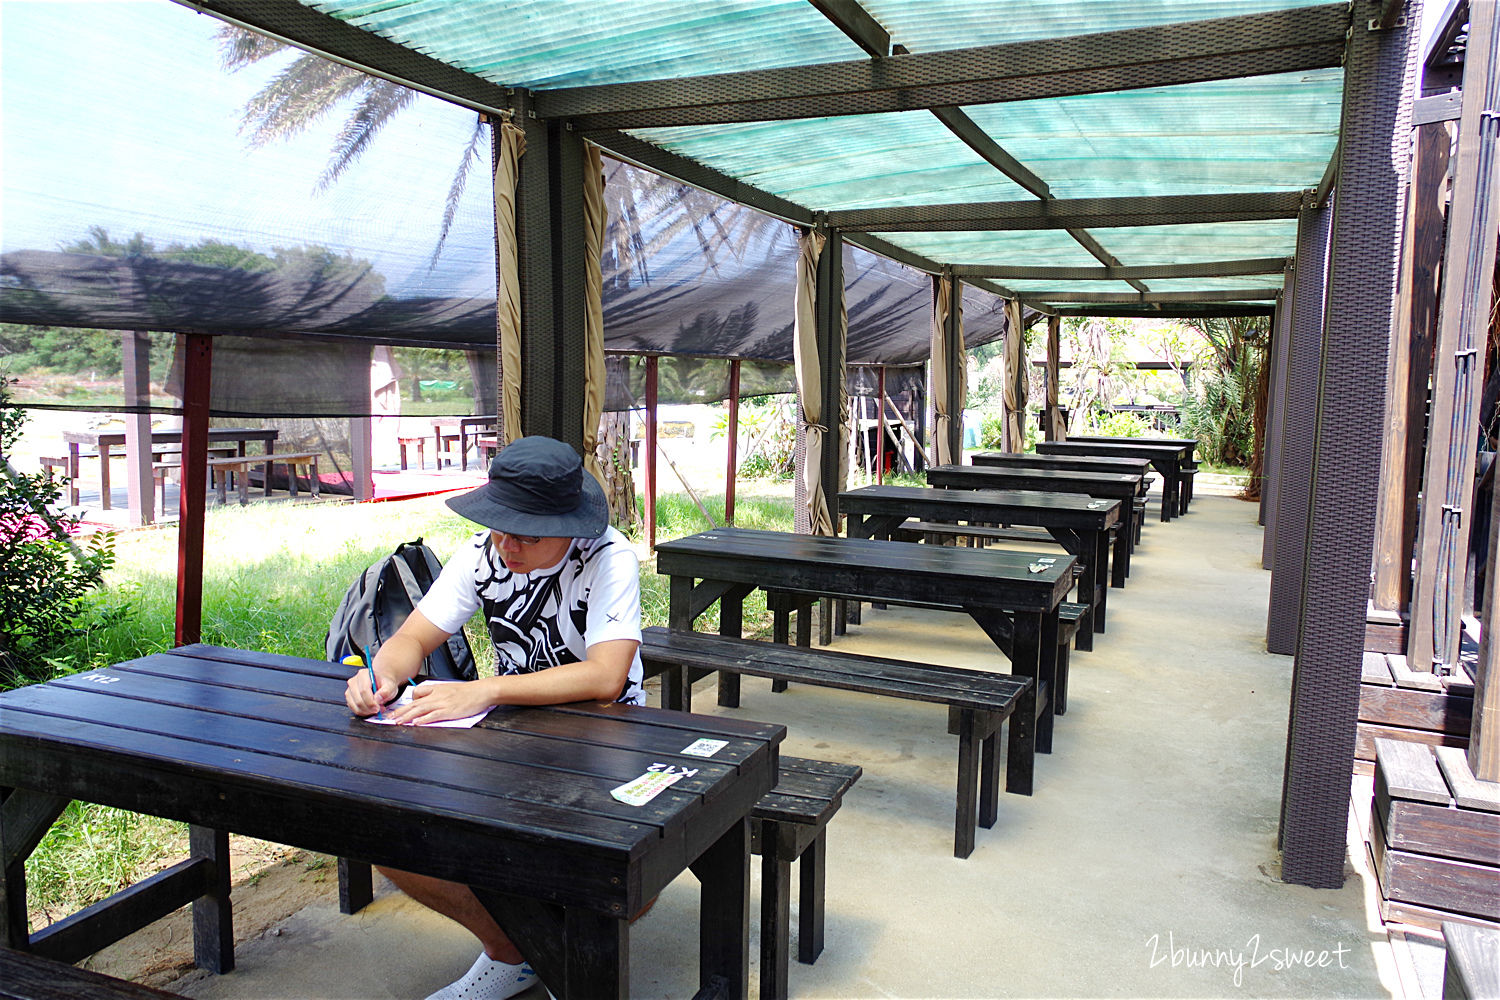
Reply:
x=381, y=598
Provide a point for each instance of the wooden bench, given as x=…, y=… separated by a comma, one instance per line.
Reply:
x=784, y=604
x=789, y=824
x=1185, y=474
x=1471, y=966
x=240, y=465
x=25, y=976
x=978, y=702
x=420, y=440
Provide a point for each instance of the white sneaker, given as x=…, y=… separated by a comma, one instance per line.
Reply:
x=488, y=980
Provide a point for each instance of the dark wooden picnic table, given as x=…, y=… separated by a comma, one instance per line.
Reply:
x=104, y=442
x=1102, y=485
x=1072, y=463
x=1081, y=525
x=1015, y=607
x=1166, y=456
x=518, y=807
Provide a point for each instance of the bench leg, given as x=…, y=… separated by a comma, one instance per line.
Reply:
x=312, y=478
x=1060, y=697
x=968, y=786
x=812, y=870
x=213, y=923
x=775, y=912
x=989, y=779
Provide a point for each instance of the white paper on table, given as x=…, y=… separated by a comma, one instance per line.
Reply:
x=384, y=718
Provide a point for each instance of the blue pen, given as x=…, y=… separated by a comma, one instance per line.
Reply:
x=374, y=688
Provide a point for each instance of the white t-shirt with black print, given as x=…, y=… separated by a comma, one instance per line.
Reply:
x=548, y=616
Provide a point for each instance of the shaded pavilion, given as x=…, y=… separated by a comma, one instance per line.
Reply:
x=1225, y=159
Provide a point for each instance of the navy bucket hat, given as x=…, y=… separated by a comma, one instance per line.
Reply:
x=537, y=487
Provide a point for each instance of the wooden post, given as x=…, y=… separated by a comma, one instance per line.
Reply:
x=1055, y=429
x=361, y=457
x=734, y=440
x=193, y=495
x=1458, y=366
x=1410, y=367
x=880, y=425
x=140, y=487
x=650, y=491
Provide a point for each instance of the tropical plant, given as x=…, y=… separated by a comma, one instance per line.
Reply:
x=1124, y=425
x=1226, y=413
x=46, y=574
x=1221, y=414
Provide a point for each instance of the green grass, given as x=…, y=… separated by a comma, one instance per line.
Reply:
x=272, y=577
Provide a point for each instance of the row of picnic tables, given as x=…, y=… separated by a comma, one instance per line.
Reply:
x=521, y=807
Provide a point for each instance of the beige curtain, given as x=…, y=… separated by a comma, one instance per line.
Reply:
x=595, y=216
x=512, y=144
x=809, y=389
x=942, y=454
x=1057, y=430
x=1015, y=378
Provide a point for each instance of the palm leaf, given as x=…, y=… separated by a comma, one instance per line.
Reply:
x=298, y=96
x=470, y=156
x=382, y=100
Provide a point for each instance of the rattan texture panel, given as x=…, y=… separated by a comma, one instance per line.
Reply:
x=1366, y=237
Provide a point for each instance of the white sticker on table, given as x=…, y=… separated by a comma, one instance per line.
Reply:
x=705, y=748
x=648, y=786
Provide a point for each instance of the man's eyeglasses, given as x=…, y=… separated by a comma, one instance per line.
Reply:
x=518, y=539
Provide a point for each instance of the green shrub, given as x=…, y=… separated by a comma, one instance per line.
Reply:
x=1124, y=425
x=47, y=576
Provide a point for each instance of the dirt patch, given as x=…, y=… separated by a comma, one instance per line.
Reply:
x=271, y=882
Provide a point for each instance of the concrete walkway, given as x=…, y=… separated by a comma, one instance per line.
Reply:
x=1144, y=866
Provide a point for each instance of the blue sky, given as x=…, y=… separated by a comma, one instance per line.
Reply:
x=118, y=114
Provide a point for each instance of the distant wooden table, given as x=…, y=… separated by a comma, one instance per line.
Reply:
x=443, y=433
x=1070, y=463
x=518, y=807
x=103, y=442
x=1081, y=525
x=1016, y=608
x=1166, y=456
x=1105, y=485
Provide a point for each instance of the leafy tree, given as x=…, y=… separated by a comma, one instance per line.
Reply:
x=46, y=574
x=60, y=349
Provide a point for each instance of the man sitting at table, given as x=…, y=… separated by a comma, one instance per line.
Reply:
x=560, y=590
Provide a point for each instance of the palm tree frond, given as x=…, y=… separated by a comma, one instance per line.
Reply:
x=381, y=101
x=297, y=97
x=239, y=47
x=456, y=189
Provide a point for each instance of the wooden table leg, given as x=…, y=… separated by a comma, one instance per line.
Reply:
x=73, y=473
x=731, y=623
x=1100, y=542
x=213, y=921
x=1124, y=544
x=27, y=815
x=723, y=872
x=104, y=476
